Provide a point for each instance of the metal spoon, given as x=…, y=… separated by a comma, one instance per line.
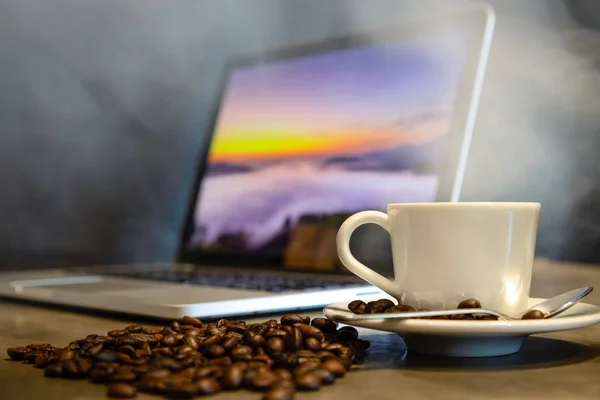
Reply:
x=549, y=308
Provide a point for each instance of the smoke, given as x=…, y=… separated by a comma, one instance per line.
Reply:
x=103, y=108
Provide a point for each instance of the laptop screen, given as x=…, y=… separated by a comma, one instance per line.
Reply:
x=302, y=142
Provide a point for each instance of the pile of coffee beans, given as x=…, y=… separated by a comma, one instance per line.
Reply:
x=189, y=358
x=388, y=306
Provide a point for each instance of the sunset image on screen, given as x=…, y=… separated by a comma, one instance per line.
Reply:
x=325, y=135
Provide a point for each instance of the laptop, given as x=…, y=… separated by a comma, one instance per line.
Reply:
x=301, y=139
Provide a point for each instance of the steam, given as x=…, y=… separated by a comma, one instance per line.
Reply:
x=103, y=106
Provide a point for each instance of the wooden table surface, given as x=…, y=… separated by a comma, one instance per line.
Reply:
x=563, y=365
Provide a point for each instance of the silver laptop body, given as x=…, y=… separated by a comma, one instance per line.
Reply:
x=396, y=108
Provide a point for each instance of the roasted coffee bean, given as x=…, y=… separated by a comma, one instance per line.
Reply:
x=275, y=333
x=207, y=386
x=175, y=326
x=253, y=340
x=53, y=370
x=279, y=393
x=215, y=339
x=400, y=308
x=121, y=390
x=356, y=349
x=324, y=355
x=241, y=352
x=469, y=303
x=183, y=391
x=193, y=332
x=146, y=349
x=191, y=341
x=39, y=347
x=285, y=360
x=263, y=358
x=221, y=361
x=324, y=375
x=345, y=352
x=291, y=319
x=129, y=350
x=533, y=314
x=364, y=344
x=310, y=331
x=345, y=336
x=167, y=363
x=214, y=351
x=233, y=377
x=306, y=367
x=188, y=358
x=261, y=329
x=95, y=349
x=441, y=317
x=333, y=347
x=358, y=307
x=335, y=367
x=276, y=345
x=312, y=344
x=209, y=372
x=294, y=339
x=272, y=324
x=464, y=317
x=184, y=349
x=324, y=324
x=107, y=356
x=135, y=328
x=17, y=353
x=222, y=324
x=212, y=330
x=283, y=374
x=179, y=336
x=250, y=373
x=234, y=335
x=308, y=381
x=70, y=354
x=83, y=365
x=152, y=331
x=41, y=360
x=230, y=343
x=381, y=305
x=158, y=373
x=263, y=379
x=73, y=346
x=187, y=328
x=70, y=370
x=306, y=353
x=191, y=321
x=165, y=351
x=236, y=326
x=350, y=329
x=123, y=377
x=188, y=373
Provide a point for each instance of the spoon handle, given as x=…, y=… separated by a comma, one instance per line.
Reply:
x=560, y=303
x=350, y=316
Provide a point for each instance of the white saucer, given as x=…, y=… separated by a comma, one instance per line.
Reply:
x=459, y=338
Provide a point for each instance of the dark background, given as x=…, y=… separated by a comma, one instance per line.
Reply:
x=104, y=104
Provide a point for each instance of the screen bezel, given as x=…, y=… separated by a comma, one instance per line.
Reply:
x=477, y=23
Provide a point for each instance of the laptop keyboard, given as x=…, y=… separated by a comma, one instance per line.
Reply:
x=239, y=280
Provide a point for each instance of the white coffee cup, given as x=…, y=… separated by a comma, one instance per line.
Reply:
x=444, y=253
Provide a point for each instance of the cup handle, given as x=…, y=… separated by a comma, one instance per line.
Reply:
x=351, y=263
